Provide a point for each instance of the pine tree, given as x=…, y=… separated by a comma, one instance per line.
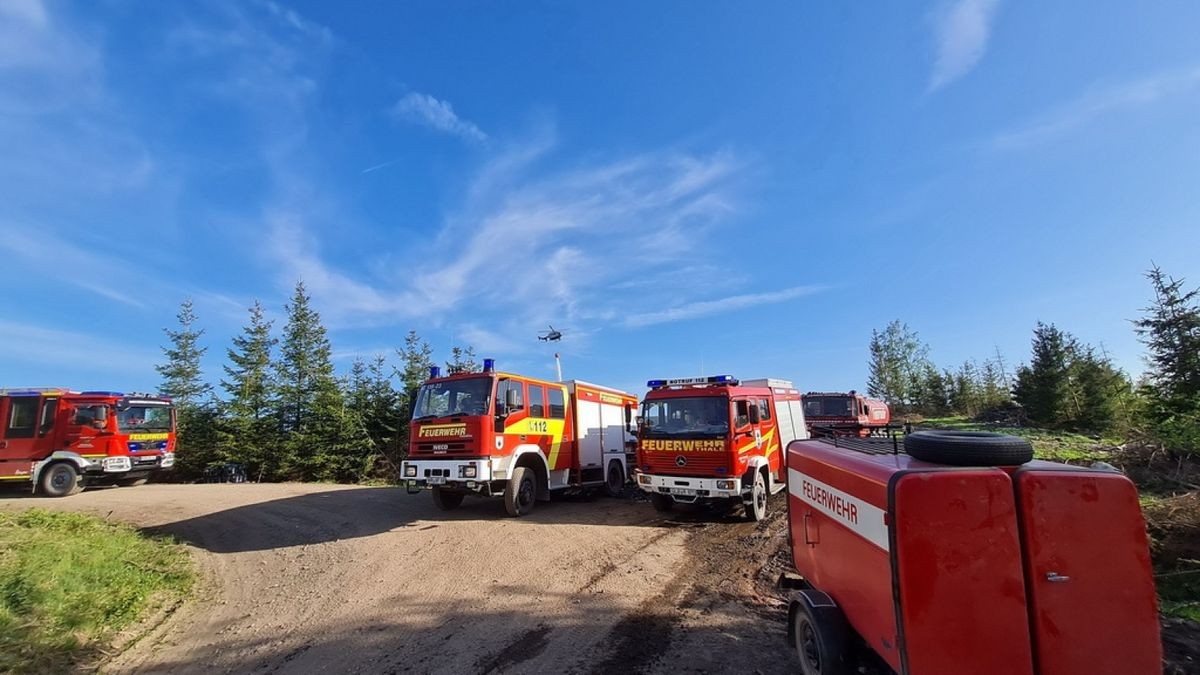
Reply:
x=1170, y=329
x=309, y=402
x=1042, y=385
x=252, y=438
x=462, y=360
x=966, y=396
x=898, y=360
x=182, y=380
x=416, y=358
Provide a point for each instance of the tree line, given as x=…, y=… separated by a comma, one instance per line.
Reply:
x=280, y=410
x=1066, y=383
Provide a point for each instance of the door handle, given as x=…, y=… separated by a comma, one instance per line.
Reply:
x=1056, y=578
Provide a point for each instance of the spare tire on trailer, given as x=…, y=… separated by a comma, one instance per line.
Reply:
x=968, y=448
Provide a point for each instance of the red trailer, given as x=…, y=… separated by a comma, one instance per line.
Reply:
x=952, y=552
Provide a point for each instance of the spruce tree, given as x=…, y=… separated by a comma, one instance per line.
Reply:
x=1170, y=329
x=897, y=363
x=182, y=380
x=252, y=433
x=309, y=402
x=1041, y=387
x=462, y=360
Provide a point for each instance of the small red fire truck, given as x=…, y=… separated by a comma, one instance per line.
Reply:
x=59, y=440
x=829, y=414
x=497, y=434
x=953, y=552
x=714, y=438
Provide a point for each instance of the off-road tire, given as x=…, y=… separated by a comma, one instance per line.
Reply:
x=520, y=494
x=614, y=479
x=60, y=479
x=821, y=638
x=132, y=482
x=756, y=508
x=662, y=503
x=446, y=500
x=968, y=448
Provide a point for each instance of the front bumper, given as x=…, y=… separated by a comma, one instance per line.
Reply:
x=690, y=489
x=473, y=475
x=122, y=464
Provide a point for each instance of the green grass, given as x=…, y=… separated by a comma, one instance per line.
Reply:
x=1060, y=446
x=69, y=582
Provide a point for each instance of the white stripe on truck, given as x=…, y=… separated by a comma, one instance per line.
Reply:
x=863, y=518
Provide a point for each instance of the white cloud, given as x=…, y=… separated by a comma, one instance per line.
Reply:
x=961, y=29
x=693, y=310
x=37, y=344
x=1097, y=103
x=424, y=109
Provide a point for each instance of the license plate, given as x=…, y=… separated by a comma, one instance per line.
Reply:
x=437, y=480
x=685, y=492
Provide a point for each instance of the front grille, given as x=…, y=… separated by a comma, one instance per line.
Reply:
x=706, y=464
x=442, y=449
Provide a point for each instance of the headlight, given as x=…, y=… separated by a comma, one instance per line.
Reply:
x=467, y=471
x=726, y=484
x=410, y=471
x=643, y=479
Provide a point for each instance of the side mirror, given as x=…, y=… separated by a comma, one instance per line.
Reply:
x=510, y=399
x=629, y=418
x=754, y=414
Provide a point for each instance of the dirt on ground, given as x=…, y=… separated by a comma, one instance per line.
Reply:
x=308, y=578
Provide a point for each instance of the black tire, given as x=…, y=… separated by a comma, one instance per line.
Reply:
x=968, y=448
x=446, y=500
x=521, y=493
x=821, y=638
x=756, y=508
x=132, y=482
x=662, y=503
x=60, y=480
x=614, y=480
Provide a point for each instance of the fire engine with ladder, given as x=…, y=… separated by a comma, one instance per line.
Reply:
x=58, y=440
x=494, y=434
x=715, y=438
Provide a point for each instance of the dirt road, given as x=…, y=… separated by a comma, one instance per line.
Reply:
x=304, y=578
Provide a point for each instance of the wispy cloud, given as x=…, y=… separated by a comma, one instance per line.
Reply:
x=48, y=346
x=1098, y=103
x=88, y=269
x=381, y=165
x=961, y=30
x=693, y=310
x=434, y=113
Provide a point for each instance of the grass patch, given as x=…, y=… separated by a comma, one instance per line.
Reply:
x=69, y=582
x=1058, y=446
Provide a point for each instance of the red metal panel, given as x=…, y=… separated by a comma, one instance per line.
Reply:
x=1092, y=600
x=961, y=587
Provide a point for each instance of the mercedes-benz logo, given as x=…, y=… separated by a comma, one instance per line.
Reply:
x=681, y=461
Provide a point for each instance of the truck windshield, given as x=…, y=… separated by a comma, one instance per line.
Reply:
x=139, y=418
x=455, y=397
x=699, y=417
x=829, y=406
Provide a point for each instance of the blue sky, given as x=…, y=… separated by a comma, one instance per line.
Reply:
x=679, y=186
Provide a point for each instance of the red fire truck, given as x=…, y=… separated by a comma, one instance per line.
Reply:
x=953, y=552
x=714, y=438
x=494, y=434
x=59, y=440
x=829, y=414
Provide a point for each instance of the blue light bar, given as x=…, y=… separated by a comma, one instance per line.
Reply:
x=722, y=378
x=102, y=393
x=655, y=384
x=434, y=372
x=489, y=365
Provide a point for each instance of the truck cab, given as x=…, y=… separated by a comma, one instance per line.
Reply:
x=716, y=439
x=59, y=440
x=842, y=414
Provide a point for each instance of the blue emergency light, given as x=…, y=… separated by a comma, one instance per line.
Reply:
x=434, y=372
x=102, y=393
x=489, y=365
x=655, y=384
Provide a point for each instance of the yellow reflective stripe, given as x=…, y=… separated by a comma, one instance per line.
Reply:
x=540, y=426
x=15, y=477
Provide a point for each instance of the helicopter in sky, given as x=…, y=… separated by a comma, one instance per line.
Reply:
x=551, y=335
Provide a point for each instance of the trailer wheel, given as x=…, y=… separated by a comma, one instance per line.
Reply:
x=756, y=508
x=521, y=492
x=614, y=483
x=968, y=448
x=60, y=480
x=446, y=500
x=820, y=635
x=662, y=503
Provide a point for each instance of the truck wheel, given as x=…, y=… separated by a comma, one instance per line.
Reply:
x=614, y=483
x=132, y=482
x=521, y=492
x=968, y=448
x=60, y=480
x=446, y=500
x=662, y=503
x=820, y=637
x=756, y=508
